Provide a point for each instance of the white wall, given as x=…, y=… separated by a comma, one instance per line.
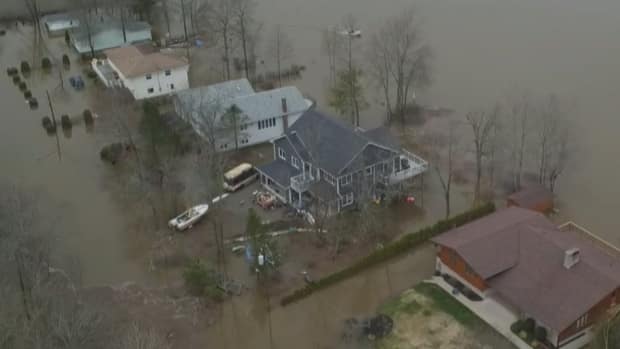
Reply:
x=256, y=136
x=159, y=82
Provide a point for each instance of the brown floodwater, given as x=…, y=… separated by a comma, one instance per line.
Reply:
x=482, y=48
x=87, y=223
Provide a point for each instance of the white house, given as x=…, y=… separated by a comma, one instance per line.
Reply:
x=56, y=24
x=263, y=116
x=143, y=70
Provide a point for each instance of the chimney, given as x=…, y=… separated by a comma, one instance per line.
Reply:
x=284, y=115
x=571, y=257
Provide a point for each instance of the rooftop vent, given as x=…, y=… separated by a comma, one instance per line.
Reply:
x=571, y=257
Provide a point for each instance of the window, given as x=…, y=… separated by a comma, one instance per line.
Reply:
x=347, y=200
x=328, y=177
x=346, y=179
x=582, y=321
x=369, y=171
x=245, y=141
x=148, y=76
x=282, y=154
x=224, y=146
x=150, y=90
x=295, y=162
x=172, y=86
x=243, y=127
x=167, y=72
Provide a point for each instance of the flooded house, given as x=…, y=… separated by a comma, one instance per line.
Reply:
x=237, y=115
x=320, y=159
x=108, y=33
x=144, y=70
x=57, y=24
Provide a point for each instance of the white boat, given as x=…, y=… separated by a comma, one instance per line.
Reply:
x=354, y=33
x=187, y=219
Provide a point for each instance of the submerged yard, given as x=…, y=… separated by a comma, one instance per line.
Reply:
x=427, y=317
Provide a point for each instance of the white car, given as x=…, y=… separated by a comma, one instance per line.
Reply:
x=187, y=219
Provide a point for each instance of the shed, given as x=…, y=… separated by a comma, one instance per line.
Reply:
x=534, y=197
x=57, y=24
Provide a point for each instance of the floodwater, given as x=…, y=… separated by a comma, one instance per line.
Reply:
x=87, y=224
x=483, y=49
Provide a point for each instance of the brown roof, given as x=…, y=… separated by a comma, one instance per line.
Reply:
x=521, y=254
x=531, y=195
x=134, y=61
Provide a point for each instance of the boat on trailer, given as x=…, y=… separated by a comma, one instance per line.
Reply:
x=187, y=219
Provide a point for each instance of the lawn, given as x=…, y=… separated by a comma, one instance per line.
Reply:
x=447, y=304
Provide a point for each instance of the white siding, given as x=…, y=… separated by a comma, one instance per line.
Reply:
x=253, y=135
x=159, y=82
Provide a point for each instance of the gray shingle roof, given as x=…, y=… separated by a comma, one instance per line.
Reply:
x=330, y=142
x=255, y=105
x=279, y=171
x=520, y=254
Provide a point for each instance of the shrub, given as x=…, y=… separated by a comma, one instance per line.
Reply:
x=91, y=74
x=65, y=60
x=16, y=79
x=12, y=71
x=27, y=94
x=391, y=250
x=517, y=327
x=528, y=325
x=25, y=67
x=33, y=103
x=46, y=63
x=65, y=122
x=540, y=333
x=22, y=86
x=200, y=280
x=88, y=116
x=67, y=37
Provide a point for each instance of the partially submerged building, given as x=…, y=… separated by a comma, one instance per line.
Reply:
x=57, y=24
x=320, y=160
x=108, y=33
x=144, y=70
x=237, y=115
x=520, y=260
x=533, y=197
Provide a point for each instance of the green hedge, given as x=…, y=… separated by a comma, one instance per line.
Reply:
x=390, y=251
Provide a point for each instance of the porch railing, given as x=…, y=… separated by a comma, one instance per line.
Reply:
x=301, y=183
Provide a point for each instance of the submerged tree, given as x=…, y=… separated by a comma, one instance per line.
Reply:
x=280, y=49
x=482, y=124
x=263, y=247
x=400, y=61
x=347, y=95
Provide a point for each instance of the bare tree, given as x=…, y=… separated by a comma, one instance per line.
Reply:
x=88, y=15
x=281, y=48
x=137, y=337
x=246, y=29
x=332, y=46
x=400, y=60
x=221, y=24
x=518, y=121
x=482, y=124
x=443, y=161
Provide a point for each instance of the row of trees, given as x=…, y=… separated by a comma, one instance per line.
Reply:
x=398, y=61
x=523, y=135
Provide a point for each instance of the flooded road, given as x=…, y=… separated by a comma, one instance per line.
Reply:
x=87, y=223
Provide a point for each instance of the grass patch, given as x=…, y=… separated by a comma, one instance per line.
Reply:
x=447, y=304
x=400, y=305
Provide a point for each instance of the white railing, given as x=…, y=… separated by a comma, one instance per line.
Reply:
x=417, y=166
x=301, y=183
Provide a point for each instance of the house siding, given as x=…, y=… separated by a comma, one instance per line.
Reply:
x=159, y=82
x=593, y=315
x=452, y=260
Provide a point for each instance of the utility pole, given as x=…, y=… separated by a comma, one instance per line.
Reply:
x=49, y=101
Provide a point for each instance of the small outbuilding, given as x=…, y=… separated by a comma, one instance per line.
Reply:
x=57, y=24
x=534, y=197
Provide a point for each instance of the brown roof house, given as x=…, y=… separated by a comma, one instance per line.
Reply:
x=145, y=71
x=534, y=197
x=520, y=259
